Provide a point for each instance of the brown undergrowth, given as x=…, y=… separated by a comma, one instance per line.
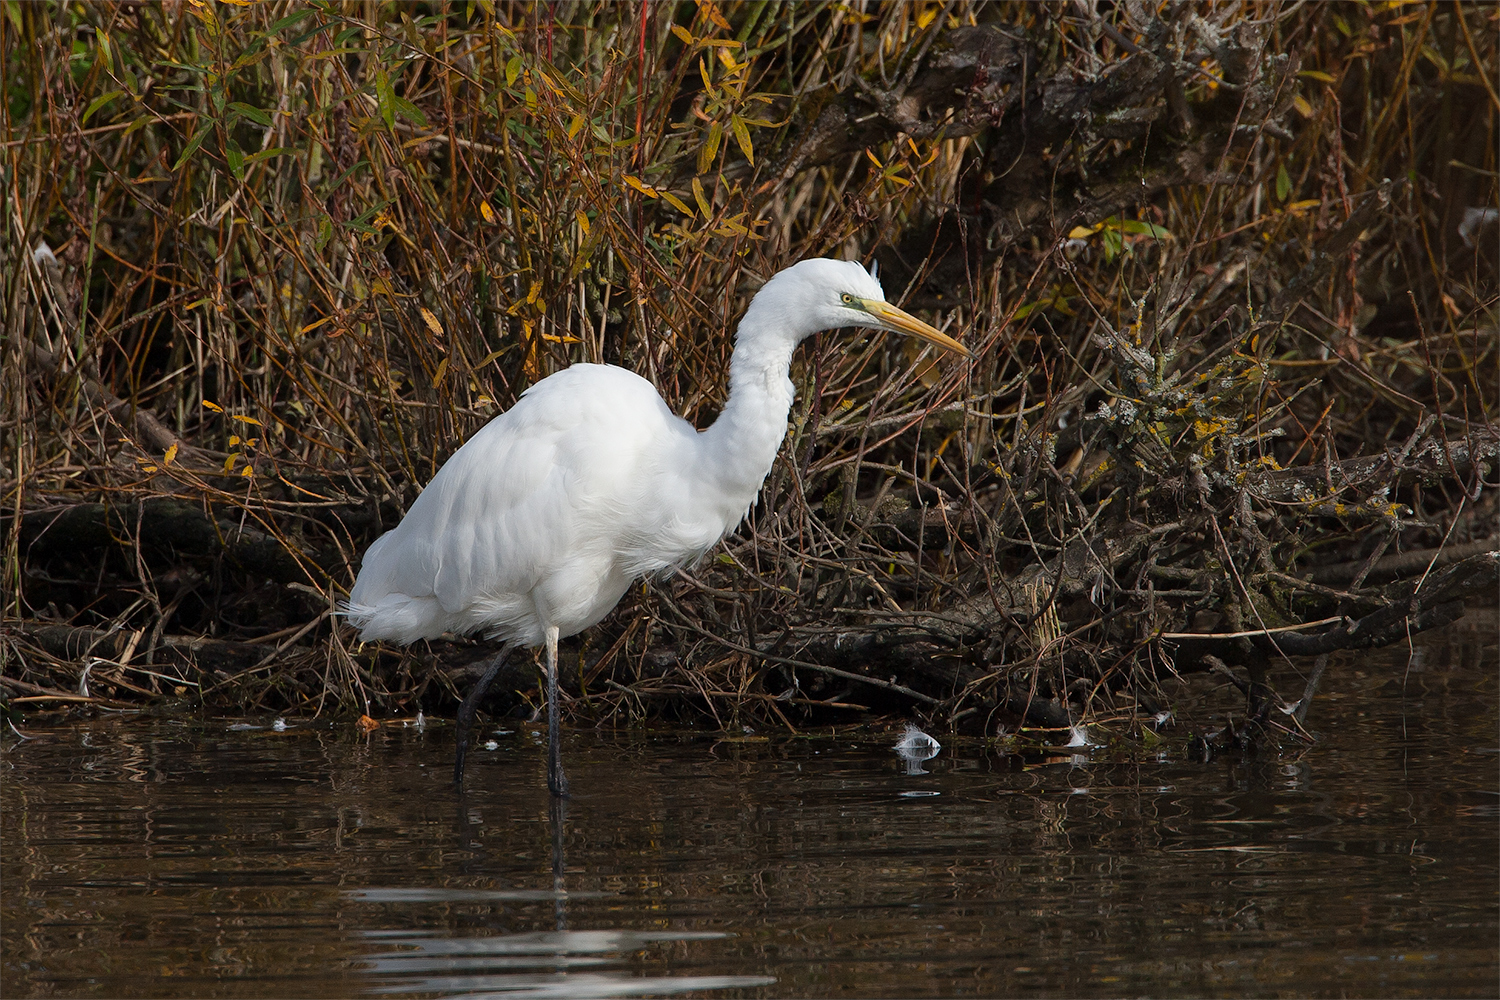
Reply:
x=1228, y=271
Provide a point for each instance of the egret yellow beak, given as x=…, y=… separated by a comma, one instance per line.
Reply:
x=896, y=320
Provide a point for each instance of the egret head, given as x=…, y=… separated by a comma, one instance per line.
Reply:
x=824, y=294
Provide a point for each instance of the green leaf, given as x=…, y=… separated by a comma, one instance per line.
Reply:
x=236, y=158
x=512, y=70
x=291, y=19
x=409, y=111
x=385, y=97
x=98, y=103
x=193, y=144
x=266, y=154
x=1139, y=228
x=105, y=60
x=251, y=112
x=1113, y=243
x=1283, y=182
x=325, y=232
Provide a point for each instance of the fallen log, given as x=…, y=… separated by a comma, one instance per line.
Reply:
x=166, y=524
x=78, y=645
x=1412, y=606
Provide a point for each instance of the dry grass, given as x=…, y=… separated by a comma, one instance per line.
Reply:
x=303, y=251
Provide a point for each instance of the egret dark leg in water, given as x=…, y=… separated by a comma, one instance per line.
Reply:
x=470, y=706
x=557, y=782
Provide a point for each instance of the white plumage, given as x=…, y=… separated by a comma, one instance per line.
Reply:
x=537, y=525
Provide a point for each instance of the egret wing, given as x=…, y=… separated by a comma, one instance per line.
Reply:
x=530, y=493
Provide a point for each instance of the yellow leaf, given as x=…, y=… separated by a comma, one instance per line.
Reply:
x=1081, y=232
x=583, y=220
x=874, y=160
x=683, y=33
x=677, y=203
x=247, y=472
x=1303, y=108
x=486, y=212
x=442, y=369
x=701, y=197
x=229, y=462
x=234, y=439
x=710, y=147
x=742, y=136
x=212, y=406
x=1316, y=74
x=246, y=420
x=575, y=126
x=171, y=454
x=927, y=17
x=710, y=10
x=148, y=468
x=431, y=321
x=536, y=291
x=639, y=185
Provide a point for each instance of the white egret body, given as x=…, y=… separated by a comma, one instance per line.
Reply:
x=534, y=529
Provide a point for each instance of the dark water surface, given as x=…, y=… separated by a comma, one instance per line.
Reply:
x=147, y=857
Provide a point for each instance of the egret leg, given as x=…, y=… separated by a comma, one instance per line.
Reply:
x=470, y=706
x=557, y=783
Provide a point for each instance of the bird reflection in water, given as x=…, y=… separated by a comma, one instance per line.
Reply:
x=544, y=963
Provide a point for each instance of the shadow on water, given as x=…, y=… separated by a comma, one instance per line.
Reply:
x=164, y=857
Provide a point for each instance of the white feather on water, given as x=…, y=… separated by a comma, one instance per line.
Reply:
x=1081, y=738
x=916, y=741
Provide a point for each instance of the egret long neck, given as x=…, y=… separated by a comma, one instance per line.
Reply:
x=739, y=449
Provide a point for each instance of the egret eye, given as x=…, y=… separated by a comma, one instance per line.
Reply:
x=846, y=299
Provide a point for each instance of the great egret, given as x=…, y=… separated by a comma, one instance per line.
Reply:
x=534, y=529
